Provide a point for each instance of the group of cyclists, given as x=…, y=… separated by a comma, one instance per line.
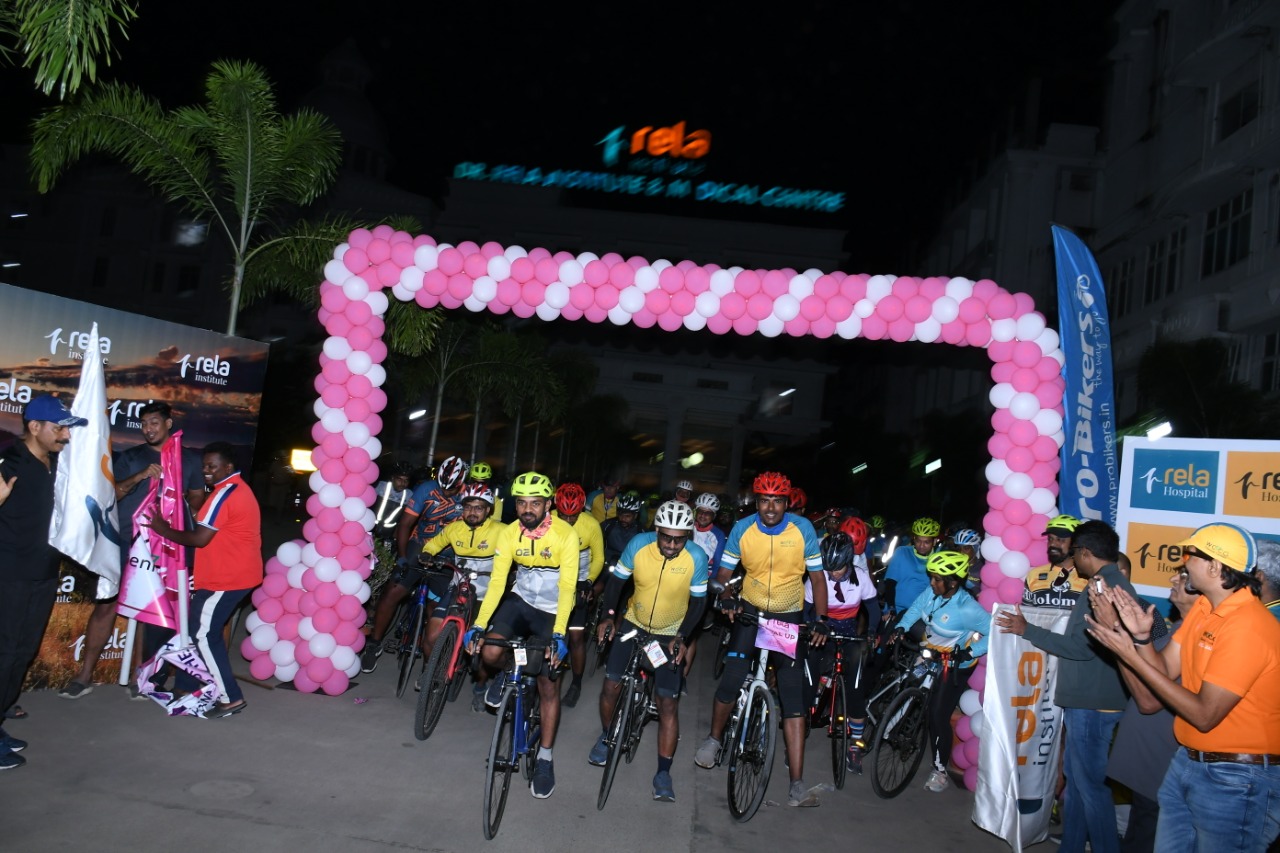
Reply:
x=592, y=574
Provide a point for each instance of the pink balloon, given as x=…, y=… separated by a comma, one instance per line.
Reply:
x=334, y=396
x=1016, y=538
x=954, y=333
x=262, y=667
x=356, y=458
x=823, y=327
x=1044, y=473
x=697, y=280
x=998, y=445
x=972, y=310
x=759, y=306
x=302, y=683
x=330, y=519
x=905, y=287
x=248, y=651
x=1022, y=433
x=1048, y=368
x=1001, y=351
x=1026, y=354
x=348, y=634
x=970, y=750
x=336, y=372
x=826, y=287
x=468, y=247
x=522, y=270
x=596, y=314
x=319, y=669
x=606, y=296
x=994, y=523
x=352, y=557
x=287, y=626
x=874, y=328
x=683, y=303
x=964, y=730
x=889, y=308
x=358, y=313
x=325, y=620
x=271, y=609
x=1044, y=448
x=1002, y=371
x=1038, y=551
x=985, y=289
x=311, y=530
x=988, y=598
x=595, y=273
x=774, y=284
x=745, y=325
x=357, y=410
x=977, y=334
x=581, y=297
x=997, y=498
x=534, y=292
x=901, y=330
x=1049, y=394
x=1010, y=590
x=671, y=279
x=657, y=301
x=1022, y=379
x=327, y=545
x=719, y=324
x=546, y=271
x=644, y=318
x=733, y=306
x=918, y=309
x=402, y=253
x=349, y=608
x=797, y=327
x=275, y=584
x=1023, y=304
x=991, y=574
x=450, y=261
x=460, y=286
x=302, y=654
x=1002, y=420
x=622, y=275
x=508, y=291
x=355, y=260
x=958, y=758
x=292, y=600
x=978, y=677
x=854, y=287
x=307, y=605
x=1001, y=306
x=377, y=399
x=314, y=506
x=336, y=684
x=1019, y=459
x=475, y=265
x=746, y=283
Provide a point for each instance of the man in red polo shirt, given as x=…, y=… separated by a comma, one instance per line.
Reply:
x=228, y=533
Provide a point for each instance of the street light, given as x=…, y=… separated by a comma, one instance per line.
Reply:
x=930, y=467
x=417, y=413
x=1160, y=430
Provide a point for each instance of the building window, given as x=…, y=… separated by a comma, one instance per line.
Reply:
x=1239, y=109
x=1121, y=289
x=1164, y=266
x=1226, y=234
x=1271, y=363
x=188, y=279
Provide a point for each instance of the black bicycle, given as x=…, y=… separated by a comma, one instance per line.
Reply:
x=635, y=708
x=516, y=731
x=449, y=664
x=902, y=736
x=829, y=708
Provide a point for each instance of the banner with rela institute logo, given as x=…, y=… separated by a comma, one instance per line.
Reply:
x=212, y=381
x=1171, y=486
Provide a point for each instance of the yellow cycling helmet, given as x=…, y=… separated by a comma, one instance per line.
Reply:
x=926, y=527
x=948, y=564
x=481, y=471
x=1065, y=523
x=532, y=485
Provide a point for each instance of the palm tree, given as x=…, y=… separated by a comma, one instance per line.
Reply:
x=235, y=161
x=63, y=39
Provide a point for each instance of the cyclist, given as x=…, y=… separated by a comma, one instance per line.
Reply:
x=798, y=501
x=905, y=578
x=391, y=497
x=603, y=502
x=684, y=492
x=482, y=472
x=852, y=609
x=471, y=539
x=570, y=501
x=969, y=542
x=670, y=591
x=711, y=539
x=1056, y=585
x=953, y=622
x=544, y=550
x=620, y=529
x=829, y=521
x=877, y=543
x=431, y=507
x=777, y=551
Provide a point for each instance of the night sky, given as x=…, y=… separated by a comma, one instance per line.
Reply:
x=891, y=105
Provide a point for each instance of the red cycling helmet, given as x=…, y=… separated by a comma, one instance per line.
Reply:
x=798, y=499
x=570, y=499
x=772, y=483
x=856, y=528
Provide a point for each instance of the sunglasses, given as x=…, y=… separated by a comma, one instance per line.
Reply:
x=673, y=540
x=1188, y=553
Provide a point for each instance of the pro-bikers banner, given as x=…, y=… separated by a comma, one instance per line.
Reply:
x=149, y=583
x=1090, y=478
x=1018, y=757
x=212, y=381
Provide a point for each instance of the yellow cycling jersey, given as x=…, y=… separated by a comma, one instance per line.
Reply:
x=774, y=560
x=474, y=547
x=601, y=508
x=591, y=553
x=1045, y=587
x=546, y=570
x=662, y=587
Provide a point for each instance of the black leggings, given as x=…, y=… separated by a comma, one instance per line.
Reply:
x=742, y=649
x=855, y=685
x=945, y=698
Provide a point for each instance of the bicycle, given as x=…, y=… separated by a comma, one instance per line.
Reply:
x=829, y=708
x=900, y=742
x=634, y=709
x=897, y=658
x=410, y=627
x=595, y=613
x=448, y=665
x=516, y=731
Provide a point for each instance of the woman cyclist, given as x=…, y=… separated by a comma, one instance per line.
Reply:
x=954, y=622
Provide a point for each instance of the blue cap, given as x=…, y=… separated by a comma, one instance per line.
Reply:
x=49, y=408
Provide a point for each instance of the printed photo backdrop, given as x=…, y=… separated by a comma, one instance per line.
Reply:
x=306, y=628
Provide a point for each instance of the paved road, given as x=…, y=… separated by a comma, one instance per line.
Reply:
x=316, y=773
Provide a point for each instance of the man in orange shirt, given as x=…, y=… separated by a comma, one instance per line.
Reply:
x=1222, y=790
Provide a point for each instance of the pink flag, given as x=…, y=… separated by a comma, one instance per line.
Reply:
x=149, y=581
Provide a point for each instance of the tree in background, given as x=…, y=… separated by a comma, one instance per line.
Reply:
x=63, y=39
x=1189, y=384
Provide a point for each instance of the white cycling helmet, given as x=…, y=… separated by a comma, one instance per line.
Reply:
x=684, y=484
x=707, y=500
x=674, y=515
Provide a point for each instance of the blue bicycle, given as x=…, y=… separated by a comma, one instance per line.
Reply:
x=516, y=732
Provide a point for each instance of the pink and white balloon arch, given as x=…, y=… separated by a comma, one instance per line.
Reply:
x=310, y=608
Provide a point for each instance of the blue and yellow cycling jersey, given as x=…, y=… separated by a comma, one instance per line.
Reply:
x=546, y=571
x=774, y=560
x=662, y=587
x=591, y=552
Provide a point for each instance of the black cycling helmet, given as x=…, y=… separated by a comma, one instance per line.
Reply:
x=837, y=552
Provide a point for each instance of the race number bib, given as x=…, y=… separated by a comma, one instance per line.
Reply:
x=778, y=636
x=656, y=656
x=522, y=656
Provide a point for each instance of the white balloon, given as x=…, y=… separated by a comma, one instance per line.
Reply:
x=282, y=653
x=1042, y=502
x=352, y=509
x=619, y=316
x=1004, y=330
x=365, y=593
x=969, y=702
x=376, y=374
x=334, y=420
x=1048, y=422
x=341, y=657
x=646, y=279
x=499, y=268
x=328, y=568
x=1014, y=564
x=978, y=724
x=996, y=472
x=355, y=288
x=400, y=292
x=359, y=362
x=813, y=274
x=377, y=302
x=556, y=294
x=426, y=258
x=722, y=282
x=800, y=286
x=547, y=312
x=694, y=322
x=340, y=250
x=512, y=253
x=320, y=407
x=706, y=305
x=287, y=673
x=290, y=552
x=373, y=447
x=253, y=622
x=337, y=348
x=928, y=330
x=863, y=308
x=331, y=496
x=661, y=264
x=1001, y=394
x=1049, y=342
x=993, y=549
x=317, y=482
x=411, y=279
x=945, y=309
x=786, y=307
x=263, y=638
x=770, y=326
x=1030, y=326
x=570, y=273
x=353, y=670
x=356, y=434
x=850, y=327
x=336, y=271
x=486, y=288
x=475, y=306
x=348, y=582
x=631, y=299
x=1024, y=405
x=295, y=573
x=322, y=645
x=959, y=289
x=879, y=286
x=1018, y=485
x=366, y=520
x=306, y=630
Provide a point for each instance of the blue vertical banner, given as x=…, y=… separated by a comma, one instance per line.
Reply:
x=1090, y=480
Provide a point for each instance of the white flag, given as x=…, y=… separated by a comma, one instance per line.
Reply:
x=84, y=525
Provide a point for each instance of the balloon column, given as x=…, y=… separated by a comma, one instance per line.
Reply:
x=309, y=608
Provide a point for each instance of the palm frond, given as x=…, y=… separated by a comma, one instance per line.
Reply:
x=64, y=40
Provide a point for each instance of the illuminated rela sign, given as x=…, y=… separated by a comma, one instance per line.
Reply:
x=657, y=162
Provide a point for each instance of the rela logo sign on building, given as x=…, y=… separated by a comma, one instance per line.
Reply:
x=1177, y=480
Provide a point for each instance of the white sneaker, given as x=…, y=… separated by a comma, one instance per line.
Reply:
x=938, y=782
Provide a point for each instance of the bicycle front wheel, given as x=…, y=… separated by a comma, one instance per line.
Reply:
x=751, y=753
x=533, y=738
x=838, y=729
x=435, y=683
x=502, y=761
x=900, y=743
x=410, y=651
x=617, y=739
x=722, y=651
